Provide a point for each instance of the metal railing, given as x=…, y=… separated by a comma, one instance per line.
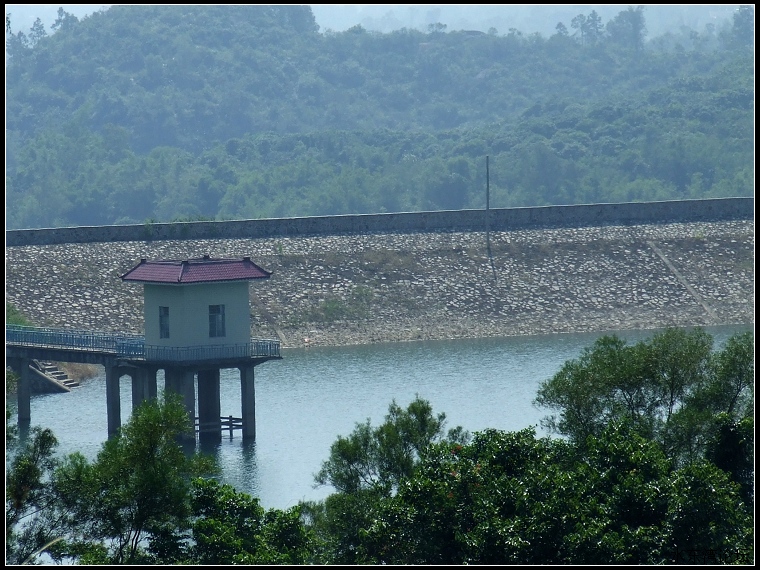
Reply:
x=226, y=423
x=133, y=346
x=68, y=338
x=255, y=348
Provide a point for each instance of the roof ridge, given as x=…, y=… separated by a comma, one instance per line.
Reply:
x=196, y=271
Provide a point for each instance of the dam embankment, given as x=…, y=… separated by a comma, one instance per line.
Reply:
x=606, y=267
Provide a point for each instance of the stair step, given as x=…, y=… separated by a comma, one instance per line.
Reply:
x=53, y=372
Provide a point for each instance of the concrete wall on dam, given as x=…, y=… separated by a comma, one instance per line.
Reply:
x=364, y=286
x=454, y=220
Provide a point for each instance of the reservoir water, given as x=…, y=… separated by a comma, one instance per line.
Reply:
x=313, y=395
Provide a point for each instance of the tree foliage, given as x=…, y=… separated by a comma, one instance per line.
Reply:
x=229, y=527
x=15, y=317
x=139, y=484
x=381, y=457
x=28, y=494
x=672, y=388
x=367, y=466
x=628, y=28
x=509, y=498
x=230, y=112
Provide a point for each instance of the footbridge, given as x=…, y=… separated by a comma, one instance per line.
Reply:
x=129, y=355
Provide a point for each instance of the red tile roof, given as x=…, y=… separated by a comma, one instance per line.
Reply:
x=199, y=270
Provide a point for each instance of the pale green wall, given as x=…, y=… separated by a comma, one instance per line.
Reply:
x=188, y=313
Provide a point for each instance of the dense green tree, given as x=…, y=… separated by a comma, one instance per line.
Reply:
x=594, y=27
x=721, y=412
x=628, y=28
x=223, y=112
x=669, y=387
x=37, y=32
x=509, y=498
x=367, y=466
x=15, y=317
x=64, y=21
x=139, y=484
x=139, y=503
x=29, y=465
x=743, y=26
x=382, y=456
x=229, y=527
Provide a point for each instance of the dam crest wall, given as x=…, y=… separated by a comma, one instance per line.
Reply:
x=498, y=219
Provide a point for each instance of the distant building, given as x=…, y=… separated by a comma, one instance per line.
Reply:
x=198, y=302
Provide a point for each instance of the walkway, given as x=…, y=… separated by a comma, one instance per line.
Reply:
x=59, y=343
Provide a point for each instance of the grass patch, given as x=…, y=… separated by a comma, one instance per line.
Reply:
x=15, y=317
x=389, y=260
x=333, y=308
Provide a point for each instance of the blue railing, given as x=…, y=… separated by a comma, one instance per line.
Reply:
x=69, y=338
x=133, y=346
x=253, y=349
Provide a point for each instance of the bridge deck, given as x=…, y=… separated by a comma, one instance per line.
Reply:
x=130, y=347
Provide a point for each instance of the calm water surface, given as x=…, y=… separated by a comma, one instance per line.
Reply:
x=313, y=395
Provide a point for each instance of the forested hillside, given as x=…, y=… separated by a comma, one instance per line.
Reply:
x=226, y=112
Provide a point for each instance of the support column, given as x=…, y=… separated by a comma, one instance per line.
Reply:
x=182, y=381
x=151, y=384
x=248, y=402
x=209, y=406
x=143, y=385
x=24, y=389
x=170, y=381
x=113, y=399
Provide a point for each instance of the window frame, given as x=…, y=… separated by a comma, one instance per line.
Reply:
x=216, y=321
x=163, y=322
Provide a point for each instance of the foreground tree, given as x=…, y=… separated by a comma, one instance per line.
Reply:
x=138, y=486
x=27, y=494
x=381, y=457
x=233, y=528
x=368, y=466
x=509, y=498
x=670, y=388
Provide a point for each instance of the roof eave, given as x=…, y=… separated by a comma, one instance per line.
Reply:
x=147, y=281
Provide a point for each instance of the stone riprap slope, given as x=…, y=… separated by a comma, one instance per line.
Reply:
x=353, y=289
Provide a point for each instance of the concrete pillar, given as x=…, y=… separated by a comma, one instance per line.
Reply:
x=209, y=406
x=113, y=399
x=143, y=385
x=24, y=391
x=170, y=384
x=248, y=402
x=182, y=381
x=151, y=385
x=138, y=388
